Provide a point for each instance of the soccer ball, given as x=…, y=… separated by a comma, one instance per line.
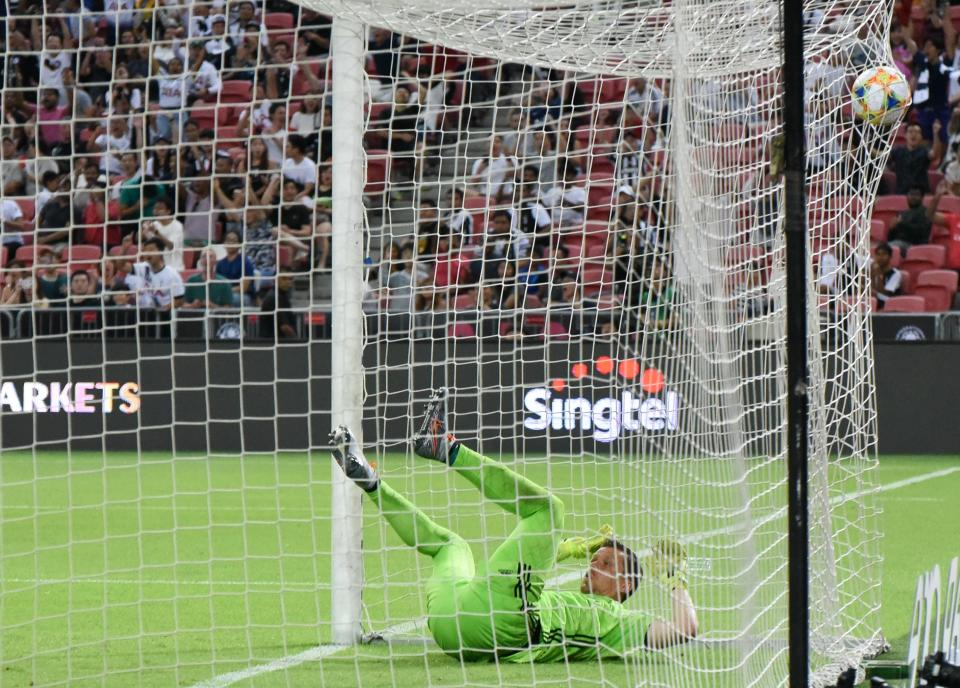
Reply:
x=881, y=95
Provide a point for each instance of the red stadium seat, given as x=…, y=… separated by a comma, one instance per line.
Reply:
x=878, y=231
x=236, y=91
x=278, y=21
x=937, y=299
x=888, y=208
x=905, y=304
x=461, y=331
x=465, y=301
x=27, y=207
x=83, y=257
x=939, y=278
x=922, y=258
x=376, y=172
x=599, y=201
x=28, y=254
x=613, y=90
x=555, y=330
x=928, y=252
x=205, y=116
x=187, y=274
x=954, y=14
x=937, y=287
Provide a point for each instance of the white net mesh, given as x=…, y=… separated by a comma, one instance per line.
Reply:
x=573, y=221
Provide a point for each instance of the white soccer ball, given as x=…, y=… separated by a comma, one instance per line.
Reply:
x=881, y=95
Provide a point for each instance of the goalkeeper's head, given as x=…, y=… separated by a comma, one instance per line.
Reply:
x=614, y=572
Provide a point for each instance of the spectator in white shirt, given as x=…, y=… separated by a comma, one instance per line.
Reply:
x=644, y=103
x=299, y=167
x=158, y=286
x=172, y=98
x=169, y=230
x=119, y=13
x=169, y=47
x=114, y=143
x=11, y=224
x=219, y=43
x=199, y=25
x=495, y=174
x=54, y=62
x=460, y=221
x=204, y=77
x=568, y=199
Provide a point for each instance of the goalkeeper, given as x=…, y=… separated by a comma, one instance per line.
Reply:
x=508, y=614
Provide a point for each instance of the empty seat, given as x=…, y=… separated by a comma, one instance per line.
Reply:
x=236, y=91
x=939, y=278
x=278, y=21
x=936, y=298
x=937, y=288
x=922, y=258
x=28, y=254
x=83, y=257
x=905, y=304
x=878, y=231
x=205, y=116
x=928, y=252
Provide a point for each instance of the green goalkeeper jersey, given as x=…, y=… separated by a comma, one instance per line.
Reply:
x=578, y=627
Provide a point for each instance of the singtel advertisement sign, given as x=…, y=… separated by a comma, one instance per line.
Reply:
x=644, y=404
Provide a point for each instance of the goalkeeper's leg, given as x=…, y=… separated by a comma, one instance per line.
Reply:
x=517, y=570
x=453, y=565
x=497, y=482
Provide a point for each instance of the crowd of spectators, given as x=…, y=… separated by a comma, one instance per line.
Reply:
x=161, y=156
x=148, y=146
x=920, y=190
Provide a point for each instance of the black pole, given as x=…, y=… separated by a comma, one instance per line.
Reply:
x=795, y=226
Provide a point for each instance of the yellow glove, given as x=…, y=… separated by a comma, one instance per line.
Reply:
x=584, y=547
x=668, y=564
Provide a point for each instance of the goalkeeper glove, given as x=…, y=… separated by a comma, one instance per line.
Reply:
x=668, y=564
x=583, y=547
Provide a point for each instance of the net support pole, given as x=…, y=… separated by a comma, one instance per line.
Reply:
x=347, y=54
x=795, y=227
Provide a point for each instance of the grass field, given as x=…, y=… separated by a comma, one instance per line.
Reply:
x=149, y=571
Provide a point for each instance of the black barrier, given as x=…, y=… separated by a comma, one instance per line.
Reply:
x=568, y=398
x=906, y=327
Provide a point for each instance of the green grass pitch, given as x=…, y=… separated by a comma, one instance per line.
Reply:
x=149, y=553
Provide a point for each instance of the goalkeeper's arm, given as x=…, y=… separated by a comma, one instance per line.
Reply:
x=681, y=628
x=668, y=565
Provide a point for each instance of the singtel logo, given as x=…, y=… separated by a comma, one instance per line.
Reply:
x=69, y=397
x=654, y=409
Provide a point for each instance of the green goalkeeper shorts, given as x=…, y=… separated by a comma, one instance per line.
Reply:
x=479, y=618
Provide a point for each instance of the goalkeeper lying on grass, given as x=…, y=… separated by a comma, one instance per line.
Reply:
x=508, y=614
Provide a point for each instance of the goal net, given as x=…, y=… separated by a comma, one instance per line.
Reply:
x=571, y=218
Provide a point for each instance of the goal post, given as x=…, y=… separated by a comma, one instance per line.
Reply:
x=347, y=46
x=713, y=181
